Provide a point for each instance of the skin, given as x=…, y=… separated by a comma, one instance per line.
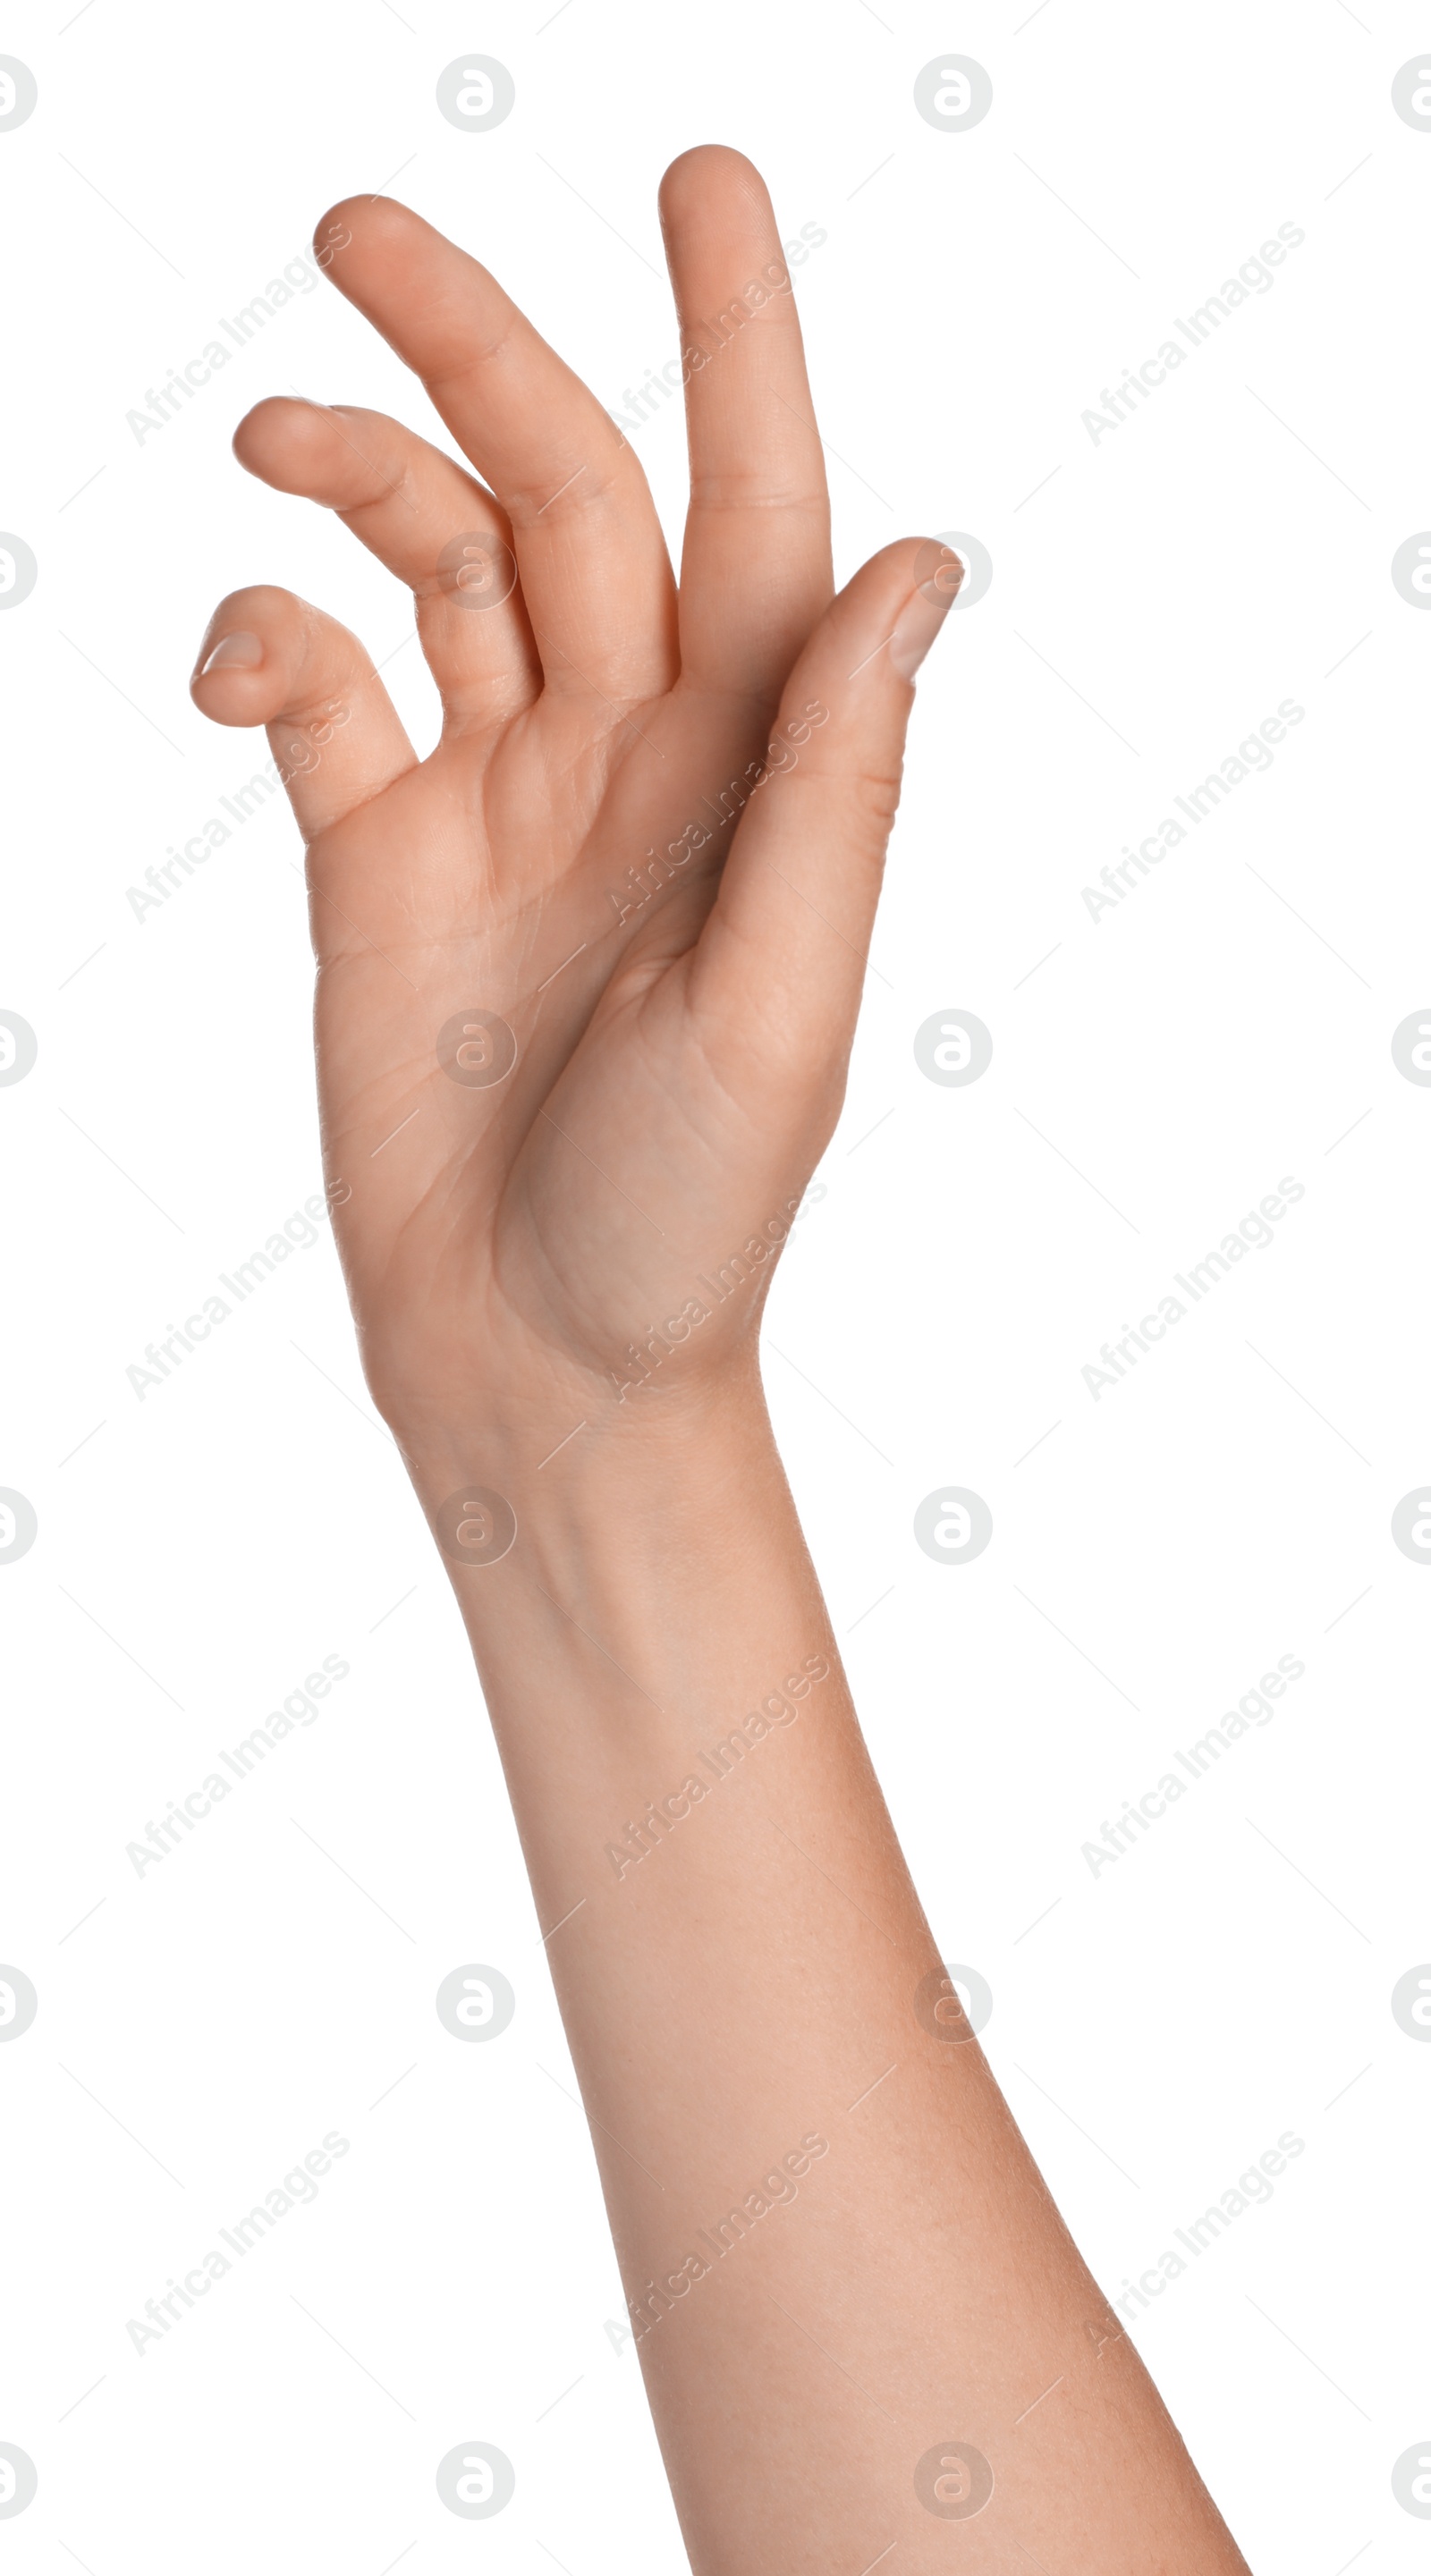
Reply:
x=540, y=1271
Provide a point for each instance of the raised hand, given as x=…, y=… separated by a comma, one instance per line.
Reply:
x=588, y=977
x=588, y=974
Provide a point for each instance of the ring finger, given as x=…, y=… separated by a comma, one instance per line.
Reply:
x=430, y=522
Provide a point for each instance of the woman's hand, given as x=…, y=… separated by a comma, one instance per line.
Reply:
x=588, y=974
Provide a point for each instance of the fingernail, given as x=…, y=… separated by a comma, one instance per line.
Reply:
x=924, y=613
x=237, y=652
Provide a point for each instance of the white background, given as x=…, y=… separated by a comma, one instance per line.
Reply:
x=1155, y=1073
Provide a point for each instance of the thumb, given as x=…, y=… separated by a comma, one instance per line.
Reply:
x=782, y=957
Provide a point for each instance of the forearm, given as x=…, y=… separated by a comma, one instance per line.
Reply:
x=748, y=1985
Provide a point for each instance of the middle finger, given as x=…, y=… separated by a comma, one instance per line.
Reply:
x=594, y=569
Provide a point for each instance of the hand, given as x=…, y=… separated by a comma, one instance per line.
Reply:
x=588, y=974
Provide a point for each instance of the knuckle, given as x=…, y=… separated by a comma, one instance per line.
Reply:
x=874, y=796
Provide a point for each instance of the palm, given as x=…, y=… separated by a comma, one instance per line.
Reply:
x=570, y=865
x=624, y=1152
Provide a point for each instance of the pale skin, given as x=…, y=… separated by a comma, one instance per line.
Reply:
x=521, y=1253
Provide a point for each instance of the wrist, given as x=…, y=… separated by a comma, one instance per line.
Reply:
x=560, y=1468
x=625, y=1578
